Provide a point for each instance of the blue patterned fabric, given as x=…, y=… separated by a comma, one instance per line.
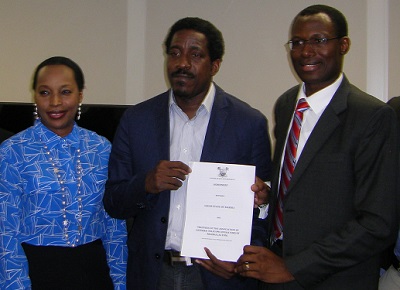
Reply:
x=42, y=201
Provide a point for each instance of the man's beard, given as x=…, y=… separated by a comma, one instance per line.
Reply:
x=180, y=87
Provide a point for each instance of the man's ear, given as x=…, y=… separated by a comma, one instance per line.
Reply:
x=215, y=65
x=344, y=45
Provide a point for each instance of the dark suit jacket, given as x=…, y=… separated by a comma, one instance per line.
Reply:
x=395, y=104
x=339, y=211
x=236, y=133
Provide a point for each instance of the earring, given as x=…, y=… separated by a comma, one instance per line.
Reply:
x=78, y=116
x=35, y=113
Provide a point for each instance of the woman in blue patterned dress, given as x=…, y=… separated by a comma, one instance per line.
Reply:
x=54, y=232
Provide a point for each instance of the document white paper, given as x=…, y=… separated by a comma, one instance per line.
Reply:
x=219, y=210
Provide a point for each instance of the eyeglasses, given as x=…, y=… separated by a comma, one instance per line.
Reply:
x=315, y=43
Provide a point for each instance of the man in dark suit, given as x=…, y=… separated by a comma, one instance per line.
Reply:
x=156, y=139
x=338, y=206
x=390, y=280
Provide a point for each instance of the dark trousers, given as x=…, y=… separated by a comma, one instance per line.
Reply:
x=80, y=268
x=180, y=277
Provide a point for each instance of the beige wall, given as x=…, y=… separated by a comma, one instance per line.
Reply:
x=119, y=45
x=394, y=48
x=91, y=32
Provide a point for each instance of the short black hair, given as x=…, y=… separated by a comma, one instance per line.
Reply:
x=337, y=17
x=215, y=41
x=61, y=60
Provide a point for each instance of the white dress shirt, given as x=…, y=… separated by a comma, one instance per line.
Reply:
x=186, y=145
x=317, y=102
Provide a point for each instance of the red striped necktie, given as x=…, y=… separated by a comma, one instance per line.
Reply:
x=289, y=163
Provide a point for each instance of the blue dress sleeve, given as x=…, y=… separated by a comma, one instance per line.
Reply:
x=114, y=242
x=13, y=262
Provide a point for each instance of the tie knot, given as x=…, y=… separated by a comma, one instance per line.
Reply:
x=302, y=105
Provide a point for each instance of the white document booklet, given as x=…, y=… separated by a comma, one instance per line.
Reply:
x=219, y=210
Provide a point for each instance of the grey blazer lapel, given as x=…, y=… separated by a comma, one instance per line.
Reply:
x=327, y=123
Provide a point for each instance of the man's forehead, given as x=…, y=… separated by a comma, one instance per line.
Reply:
x=320, y=21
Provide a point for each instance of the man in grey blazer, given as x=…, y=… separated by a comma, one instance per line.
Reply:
x=339, y=206
x=155, y=141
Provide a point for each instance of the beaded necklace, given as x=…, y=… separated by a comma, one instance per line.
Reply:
x=62, y=182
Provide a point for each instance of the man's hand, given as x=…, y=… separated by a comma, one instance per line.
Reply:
x=262, y=264
x=167, y=175
x=218, y=267
x=261, y=191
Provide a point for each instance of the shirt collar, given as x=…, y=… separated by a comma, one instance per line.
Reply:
x=319, y=100
x=52, y=140
x=206, y=104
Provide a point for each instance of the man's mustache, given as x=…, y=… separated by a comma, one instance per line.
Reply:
x=182, y=72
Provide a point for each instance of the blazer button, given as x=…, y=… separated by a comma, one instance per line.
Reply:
x=157, y=256
x=163, y=220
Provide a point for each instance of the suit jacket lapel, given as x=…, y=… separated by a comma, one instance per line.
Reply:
x=286, y=115
x=162, y=128
x=219, y=114
x=327, y=123
x=284, y=112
